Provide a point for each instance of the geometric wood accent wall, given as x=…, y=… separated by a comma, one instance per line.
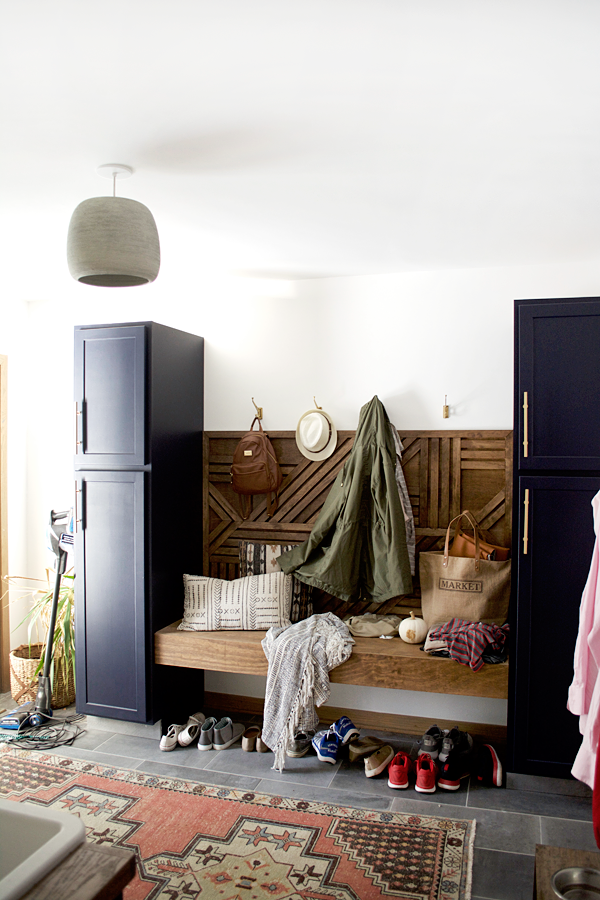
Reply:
x=446, y=472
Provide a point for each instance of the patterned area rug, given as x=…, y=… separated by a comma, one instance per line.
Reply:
x=201, y=841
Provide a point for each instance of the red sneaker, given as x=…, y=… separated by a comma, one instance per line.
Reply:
x=426, y=774
x=398, y=770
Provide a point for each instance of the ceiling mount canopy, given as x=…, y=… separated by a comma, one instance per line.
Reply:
x=113, y=241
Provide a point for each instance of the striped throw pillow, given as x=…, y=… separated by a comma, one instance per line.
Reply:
x=254, y=603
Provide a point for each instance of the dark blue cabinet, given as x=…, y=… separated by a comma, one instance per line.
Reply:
x=557, y=473
x=555, y=540
x=558, y=379
x=138, y=470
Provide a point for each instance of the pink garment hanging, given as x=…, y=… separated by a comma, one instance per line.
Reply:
x=584, y=693
x=596, y=802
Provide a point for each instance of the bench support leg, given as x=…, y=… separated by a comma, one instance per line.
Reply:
x=180, y=693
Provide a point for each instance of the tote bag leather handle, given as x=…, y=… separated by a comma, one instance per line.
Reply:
x=470, y=518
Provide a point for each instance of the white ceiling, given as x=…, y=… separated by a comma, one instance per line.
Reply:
x=302, y=138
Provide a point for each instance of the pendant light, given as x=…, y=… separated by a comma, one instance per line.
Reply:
x=113, y=241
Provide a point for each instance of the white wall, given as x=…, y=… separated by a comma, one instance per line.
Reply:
x=410, y=338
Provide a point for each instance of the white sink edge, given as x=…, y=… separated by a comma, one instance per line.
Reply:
x=43, y=859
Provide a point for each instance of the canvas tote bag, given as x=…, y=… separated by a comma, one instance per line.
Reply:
x=477, y=590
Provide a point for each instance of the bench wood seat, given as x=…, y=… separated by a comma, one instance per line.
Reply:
x=374, y=662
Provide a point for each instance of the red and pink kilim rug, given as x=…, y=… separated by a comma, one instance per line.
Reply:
x=201, y=841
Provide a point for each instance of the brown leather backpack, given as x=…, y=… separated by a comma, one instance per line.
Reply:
x=255, y=469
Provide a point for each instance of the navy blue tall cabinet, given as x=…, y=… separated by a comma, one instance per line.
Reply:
x=138, y=473
x=557, y=473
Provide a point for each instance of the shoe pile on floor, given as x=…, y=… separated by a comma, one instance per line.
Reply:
x=212, y=734
x=443, y=758
x=440, y=759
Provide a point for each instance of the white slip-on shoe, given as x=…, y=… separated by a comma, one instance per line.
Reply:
x=191, y=730
x=169, y=740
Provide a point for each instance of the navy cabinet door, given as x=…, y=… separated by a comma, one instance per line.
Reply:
x=110, y=368
x=551, y=573
x=110, y=620
x=558, y=384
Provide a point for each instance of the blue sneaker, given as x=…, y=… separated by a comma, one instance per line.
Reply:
x=326, y=746
x=344, y=729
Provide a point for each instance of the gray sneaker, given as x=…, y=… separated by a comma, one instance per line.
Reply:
x=300, y=744
x=226, y=733
x=205, y=741
x=431, y=741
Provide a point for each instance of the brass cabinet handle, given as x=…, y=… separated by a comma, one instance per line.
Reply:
x=525, y=425
x=526, y=523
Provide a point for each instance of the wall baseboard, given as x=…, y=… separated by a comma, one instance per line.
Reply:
x=233, y=705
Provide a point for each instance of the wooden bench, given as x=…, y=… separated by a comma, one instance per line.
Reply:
x=374, y=662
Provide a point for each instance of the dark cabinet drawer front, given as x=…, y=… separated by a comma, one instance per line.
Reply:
x=110, y=393
x=110, y=591
x=550, y=581
x=559, y=371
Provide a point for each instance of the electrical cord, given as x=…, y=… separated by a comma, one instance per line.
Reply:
x=59, y=731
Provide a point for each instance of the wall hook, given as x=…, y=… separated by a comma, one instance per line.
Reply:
x=316, y=404
x=259, y=410
x=446, y=408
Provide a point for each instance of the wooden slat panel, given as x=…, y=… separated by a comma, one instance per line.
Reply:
x=455, y=479
x=508, y=452
x=483, y=454
x=446, y=471
x=482, y=464
x=434, y=482
x=445, y=480
x=423, y=482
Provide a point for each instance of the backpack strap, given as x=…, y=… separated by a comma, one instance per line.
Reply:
x=272, y=502
x=245, y=505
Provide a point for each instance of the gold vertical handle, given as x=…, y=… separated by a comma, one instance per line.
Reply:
x=77, y=441
x=525, y=425
x=526, y=523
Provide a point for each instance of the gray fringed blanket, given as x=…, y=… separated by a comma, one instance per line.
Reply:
x=300, y=658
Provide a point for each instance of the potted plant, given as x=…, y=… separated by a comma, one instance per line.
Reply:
x=27, y=660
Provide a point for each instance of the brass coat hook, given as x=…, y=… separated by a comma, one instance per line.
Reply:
x=316, y=404
x=259, y=410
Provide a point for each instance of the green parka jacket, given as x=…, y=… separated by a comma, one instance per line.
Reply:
x=357, y=548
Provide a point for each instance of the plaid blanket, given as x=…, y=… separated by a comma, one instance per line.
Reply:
x=466, y=641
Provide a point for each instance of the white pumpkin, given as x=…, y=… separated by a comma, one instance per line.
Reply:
x=412, y=630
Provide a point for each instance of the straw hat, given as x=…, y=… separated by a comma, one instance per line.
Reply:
x=316, y=436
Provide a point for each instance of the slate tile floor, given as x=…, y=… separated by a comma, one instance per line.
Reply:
x=510, y=821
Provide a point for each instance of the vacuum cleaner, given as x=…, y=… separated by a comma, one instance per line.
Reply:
x=61, y=541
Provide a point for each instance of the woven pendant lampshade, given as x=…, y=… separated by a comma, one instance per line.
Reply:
x=113, y=241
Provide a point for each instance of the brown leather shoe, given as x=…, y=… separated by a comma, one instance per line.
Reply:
x=363, y=746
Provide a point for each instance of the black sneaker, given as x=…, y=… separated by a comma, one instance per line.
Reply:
x=454, y=739
x=489, y=767
x=458, y=764
x=431, y=741
x=300, y=744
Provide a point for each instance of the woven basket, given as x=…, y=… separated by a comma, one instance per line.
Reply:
x=24, y=681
